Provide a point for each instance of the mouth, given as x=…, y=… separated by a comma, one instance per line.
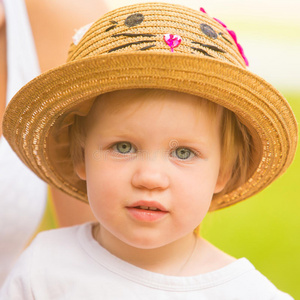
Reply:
x=147, y=208
x=148, y=205
x=147, y=211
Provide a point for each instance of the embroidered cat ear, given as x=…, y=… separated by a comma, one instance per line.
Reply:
x=80, y=33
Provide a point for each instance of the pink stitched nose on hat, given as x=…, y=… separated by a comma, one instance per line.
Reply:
x=172, y=40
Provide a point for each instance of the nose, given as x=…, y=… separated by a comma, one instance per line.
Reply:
x=150, y=175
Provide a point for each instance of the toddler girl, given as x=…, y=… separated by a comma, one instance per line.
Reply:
x=154, y=121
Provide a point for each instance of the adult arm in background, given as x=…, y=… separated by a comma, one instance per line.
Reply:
x=53, y=24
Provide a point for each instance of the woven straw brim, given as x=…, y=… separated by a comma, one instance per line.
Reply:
x=37, y=109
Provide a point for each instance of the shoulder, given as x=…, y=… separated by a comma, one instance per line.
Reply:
x=236, y=277
x=246, y=280
x=241, y=280
x=59, y=236
x=59, y=246
x=50, y=253
x=260, y=286
x=47, y=243
x=60, y=242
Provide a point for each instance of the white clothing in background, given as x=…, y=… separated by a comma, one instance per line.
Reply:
x=69, y=264
x=22, y=194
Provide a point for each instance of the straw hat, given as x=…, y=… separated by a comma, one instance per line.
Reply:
x=152, y=45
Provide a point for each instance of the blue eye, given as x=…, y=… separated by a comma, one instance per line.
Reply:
x=123, y=147
x=182, y=153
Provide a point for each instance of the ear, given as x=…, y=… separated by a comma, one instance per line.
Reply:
x=221, y=182
x=80, y=170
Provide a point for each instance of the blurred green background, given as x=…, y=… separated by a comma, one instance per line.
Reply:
x=265, y=228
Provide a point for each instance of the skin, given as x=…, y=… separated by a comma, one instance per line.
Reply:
x=153, y=170
x=53, y=24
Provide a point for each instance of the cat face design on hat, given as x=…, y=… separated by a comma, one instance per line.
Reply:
x=154, y=31
x=172, y=40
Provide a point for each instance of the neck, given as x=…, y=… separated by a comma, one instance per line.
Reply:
x=170, y=259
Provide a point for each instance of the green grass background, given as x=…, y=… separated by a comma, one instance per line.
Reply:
x=265, y=228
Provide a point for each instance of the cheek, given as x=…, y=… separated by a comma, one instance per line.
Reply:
x=102, y=196
x=106, y=185
x=194, y=190
x=200, y=179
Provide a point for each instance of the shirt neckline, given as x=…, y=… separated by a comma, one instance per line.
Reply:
x=155, y=280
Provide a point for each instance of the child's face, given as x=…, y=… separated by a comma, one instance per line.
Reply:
x=160, y=153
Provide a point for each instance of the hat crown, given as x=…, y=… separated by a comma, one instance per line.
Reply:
x=144, y=27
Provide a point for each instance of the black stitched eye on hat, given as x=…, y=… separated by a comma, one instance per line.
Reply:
x=134, y=19
x=207, y=30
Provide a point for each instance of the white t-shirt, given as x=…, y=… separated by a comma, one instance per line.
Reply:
x=69, y=264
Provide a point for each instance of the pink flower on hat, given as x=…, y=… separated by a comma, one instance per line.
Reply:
x=233, y=35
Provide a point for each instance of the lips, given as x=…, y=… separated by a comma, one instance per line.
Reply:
x=148, y=205
x=147, y=211
x=147, y=208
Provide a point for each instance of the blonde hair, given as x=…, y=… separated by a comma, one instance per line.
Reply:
x=236, y=142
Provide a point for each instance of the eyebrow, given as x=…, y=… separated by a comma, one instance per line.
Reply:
x=127, y=133
x=178, y=142
x=172, y=142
